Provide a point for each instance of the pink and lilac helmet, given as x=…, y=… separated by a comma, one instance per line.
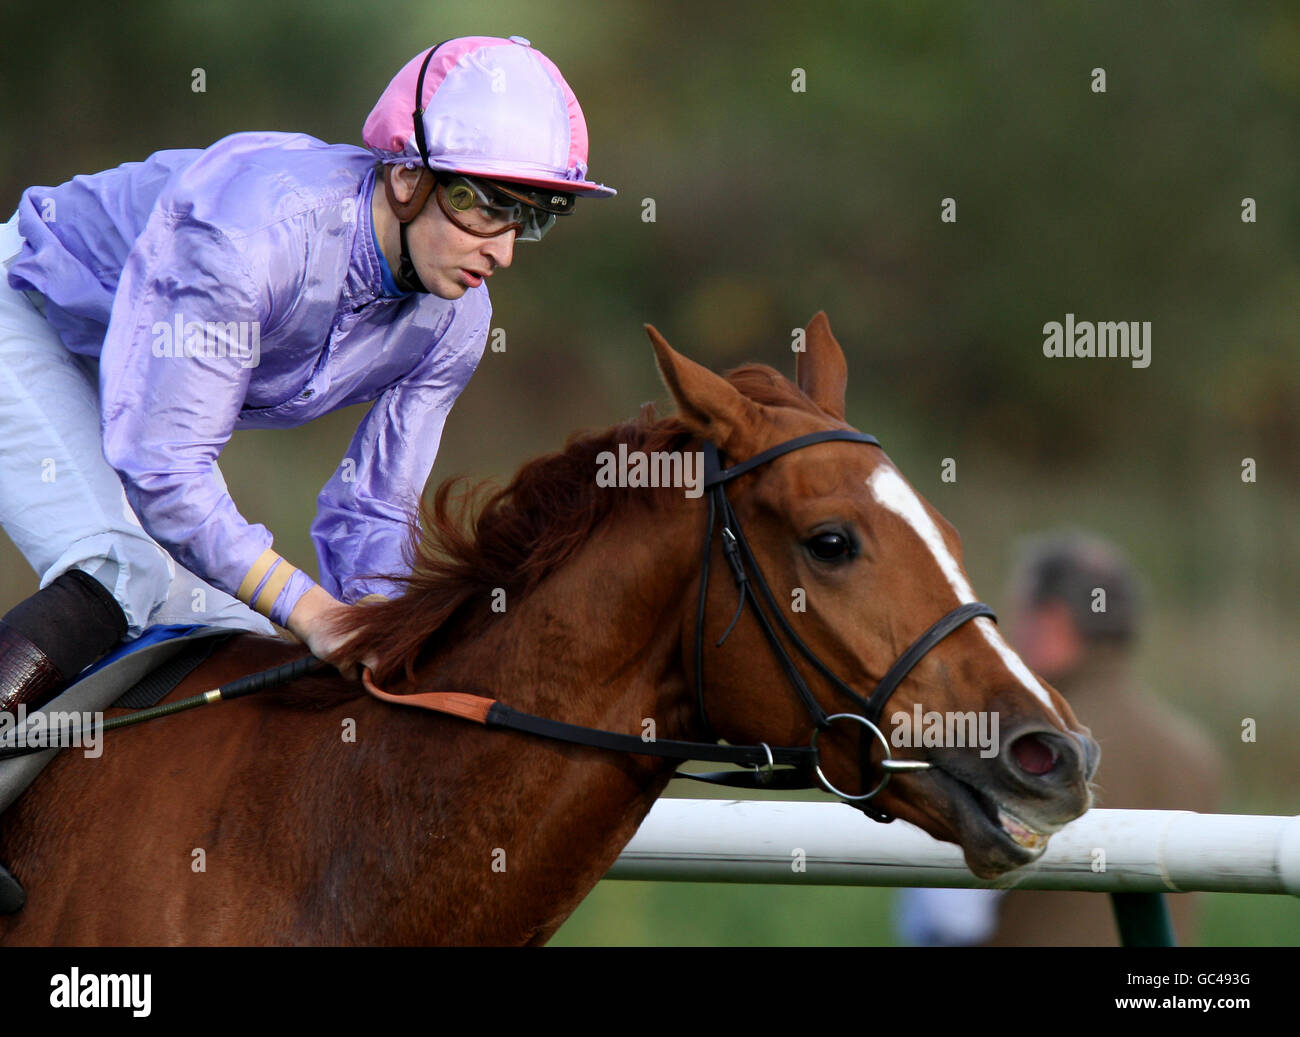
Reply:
x=488, y=107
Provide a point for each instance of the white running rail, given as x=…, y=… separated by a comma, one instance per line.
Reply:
x=686, y=840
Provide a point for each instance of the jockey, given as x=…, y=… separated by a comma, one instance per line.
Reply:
x=152, y=309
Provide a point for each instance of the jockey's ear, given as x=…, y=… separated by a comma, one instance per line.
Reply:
x=407, y=190
x=707, y=403
x=820, y=369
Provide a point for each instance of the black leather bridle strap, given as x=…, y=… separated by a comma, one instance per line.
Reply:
x=721, y=475
x=751, y=564
x=745, y=570
x=917, y=651
x=743, y=755
x=742, y=568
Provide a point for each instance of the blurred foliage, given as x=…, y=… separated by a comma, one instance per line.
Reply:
x=772, y=204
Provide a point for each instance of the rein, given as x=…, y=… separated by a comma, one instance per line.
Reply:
x=491, y=713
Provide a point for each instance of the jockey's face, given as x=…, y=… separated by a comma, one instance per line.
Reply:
x=449, y=260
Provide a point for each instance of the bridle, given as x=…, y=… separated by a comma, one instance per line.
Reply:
x=746, y=572
x=801, y=765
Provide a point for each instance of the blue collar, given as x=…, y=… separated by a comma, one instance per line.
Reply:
x=390, y=288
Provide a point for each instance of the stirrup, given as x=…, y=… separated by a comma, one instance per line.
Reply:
x=12, y=894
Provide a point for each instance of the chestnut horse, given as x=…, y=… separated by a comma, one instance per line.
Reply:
x=318, y=814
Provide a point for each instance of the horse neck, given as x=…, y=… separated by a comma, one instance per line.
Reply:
x=578, y=648
x=598, y=643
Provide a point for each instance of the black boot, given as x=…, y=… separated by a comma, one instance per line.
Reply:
x=27, y=676
x=54, y=635
x=44, y=642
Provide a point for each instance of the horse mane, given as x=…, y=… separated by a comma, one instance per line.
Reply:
x=472, y=538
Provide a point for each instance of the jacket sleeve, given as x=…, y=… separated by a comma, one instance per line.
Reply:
x=363, y=522
x=174, y=371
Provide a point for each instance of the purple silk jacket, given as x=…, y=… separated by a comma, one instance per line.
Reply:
x=238, y=287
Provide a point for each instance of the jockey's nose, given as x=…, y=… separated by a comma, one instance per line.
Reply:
x=501, y=249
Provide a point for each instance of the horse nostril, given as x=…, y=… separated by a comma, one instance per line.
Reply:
x=1033, y=754
x=1091, y=754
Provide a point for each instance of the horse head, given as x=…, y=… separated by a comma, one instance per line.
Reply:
x=861, y=565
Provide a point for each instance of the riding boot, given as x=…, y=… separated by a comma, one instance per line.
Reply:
x=54, y=635
x=27, y=676
x=45, y=641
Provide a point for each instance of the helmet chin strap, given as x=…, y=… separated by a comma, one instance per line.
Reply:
x=406, y=277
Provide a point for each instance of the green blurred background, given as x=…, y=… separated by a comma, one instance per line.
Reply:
x=772, y=204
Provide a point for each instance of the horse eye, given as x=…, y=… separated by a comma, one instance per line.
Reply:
x=829, y=547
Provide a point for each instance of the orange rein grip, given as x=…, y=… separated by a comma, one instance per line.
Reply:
x=470, y=707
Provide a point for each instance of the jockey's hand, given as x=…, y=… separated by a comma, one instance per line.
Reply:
x=313, y=620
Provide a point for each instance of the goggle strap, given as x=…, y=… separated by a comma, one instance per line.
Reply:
x=418, y=114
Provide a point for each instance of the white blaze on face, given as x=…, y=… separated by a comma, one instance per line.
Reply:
x=888, y=487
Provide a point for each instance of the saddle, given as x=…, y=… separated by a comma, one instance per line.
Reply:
x=136, y=675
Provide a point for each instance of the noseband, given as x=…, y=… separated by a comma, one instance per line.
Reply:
x=800, y=765
x=747, y=574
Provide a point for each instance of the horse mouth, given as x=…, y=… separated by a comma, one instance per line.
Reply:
x=1020, y=833
x=994, y=839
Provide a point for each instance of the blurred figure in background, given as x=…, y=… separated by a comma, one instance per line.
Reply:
x=1074, y=616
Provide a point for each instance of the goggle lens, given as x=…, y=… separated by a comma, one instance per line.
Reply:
x=474, y=207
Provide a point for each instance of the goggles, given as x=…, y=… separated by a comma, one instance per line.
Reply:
x=487, y=208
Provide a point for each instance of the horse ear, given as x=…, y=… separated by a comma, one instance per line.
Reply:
x=820, y=369
x=709, y=405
